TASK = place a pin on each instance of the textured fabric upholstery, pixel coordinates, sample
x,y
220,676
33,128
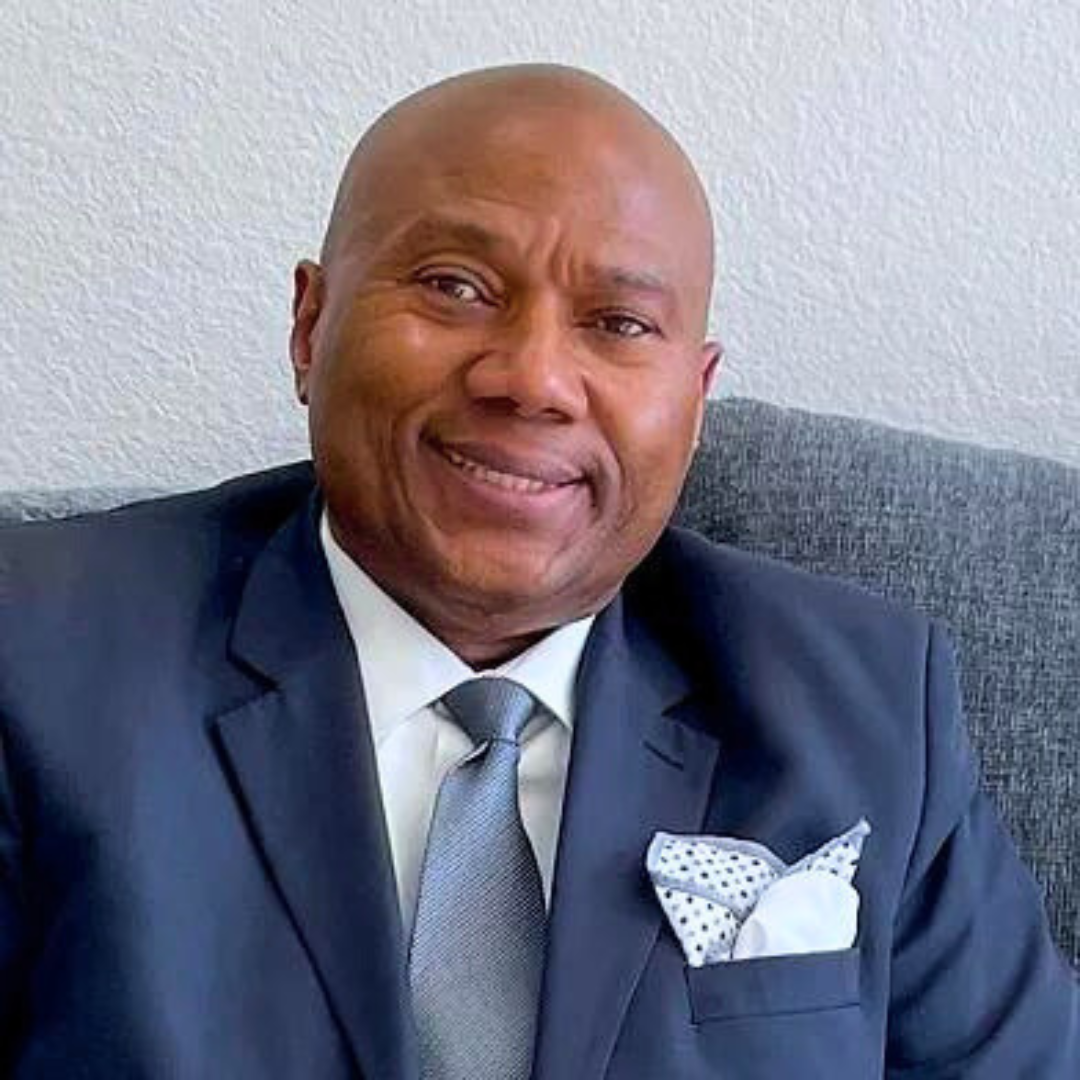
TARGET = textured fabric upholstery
x,y
987,541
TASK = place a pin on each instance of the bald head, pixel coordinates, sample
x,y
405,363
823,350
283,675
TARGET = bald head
x,y
547,116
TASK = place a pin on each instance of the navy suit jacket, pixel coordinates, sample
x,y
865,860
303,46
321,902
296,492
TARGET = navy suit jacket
x,y
194,870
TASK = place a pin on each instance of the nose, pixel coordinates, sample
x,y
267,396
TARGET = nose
x,y
530,365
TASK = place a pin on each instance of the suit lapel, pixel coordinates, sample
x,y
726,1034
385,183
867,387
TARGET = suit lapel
x,y
303,765
634,769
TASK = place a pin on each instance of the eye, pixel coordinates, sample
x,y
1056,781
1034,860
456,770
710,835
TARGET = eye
x,y
453,286
620,324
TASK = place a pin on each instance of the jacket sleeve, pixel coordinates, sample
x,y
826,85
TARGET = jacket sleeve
x,y
13,912
979,989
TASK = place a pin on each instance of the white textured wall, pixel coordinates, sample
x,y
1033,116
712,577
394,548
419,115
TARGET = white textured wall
x,y
897,185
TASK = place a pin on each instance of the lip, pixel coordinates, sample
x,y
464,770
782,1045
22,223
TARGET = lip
x,y
510,462
496,478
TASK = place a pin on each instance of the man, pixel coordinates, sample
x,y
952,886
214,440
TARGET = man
x,y
258,815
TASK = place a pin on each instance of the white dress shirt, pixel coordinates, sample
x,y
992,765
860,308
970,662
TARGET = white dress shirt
x,y
405,671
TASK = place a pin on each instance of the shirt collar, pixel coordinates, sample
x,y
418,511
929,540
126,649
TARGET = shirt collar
x,y
404,667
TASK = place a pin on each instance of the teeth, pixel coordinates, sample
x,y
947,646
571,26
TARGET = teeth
x,y
522,485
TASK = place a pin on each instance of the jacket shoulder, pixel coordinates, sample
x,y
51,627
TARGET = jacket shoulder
x,y
152,544
691,586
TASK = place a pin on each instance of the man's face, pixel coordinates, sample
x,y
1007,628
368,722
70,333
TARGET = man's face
x,y
505,371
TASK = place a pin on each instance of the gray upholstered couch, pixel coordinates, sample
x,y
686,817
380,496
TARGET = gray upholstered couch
x,y
985,540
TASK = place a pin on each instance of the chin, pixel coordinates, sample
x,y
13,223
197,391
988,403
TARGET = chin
x,y
503,584
500,585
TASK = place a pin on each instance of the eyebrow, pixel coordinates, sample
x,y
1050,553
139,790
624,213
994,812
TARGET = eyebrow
x,y
623,279
442,229
432,229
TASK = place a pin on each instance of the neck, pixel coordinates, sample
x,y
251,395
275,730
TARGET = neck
x,y
482,655
480,639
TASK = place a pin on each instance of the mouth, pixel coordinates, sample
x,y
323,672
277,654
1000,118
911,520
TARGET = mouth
x,y
507,472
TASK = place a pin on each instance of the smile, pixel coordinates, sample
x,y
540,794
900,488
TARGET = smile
x,y
520,485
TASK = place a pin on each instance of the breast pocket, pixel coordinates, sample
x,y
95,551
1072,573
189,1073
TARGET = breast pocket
x,y
774,985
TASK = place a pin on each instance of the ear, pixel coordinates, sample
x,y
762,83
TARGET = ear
x,y
307,305
712,352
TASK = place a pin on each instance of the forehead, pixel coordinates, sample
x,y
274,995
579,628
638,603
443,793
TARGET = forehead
x,y
620,192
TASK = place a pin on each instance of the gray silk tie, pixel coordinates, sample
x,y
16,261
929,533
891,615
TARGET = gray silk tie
x,y
477,953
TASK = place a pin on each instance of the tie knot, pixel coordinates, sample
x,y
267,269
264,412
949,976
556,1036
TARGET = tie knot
x,y
488,708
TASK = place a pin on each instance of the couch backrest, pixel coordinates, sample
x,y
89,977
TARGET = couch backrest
x,y
987,541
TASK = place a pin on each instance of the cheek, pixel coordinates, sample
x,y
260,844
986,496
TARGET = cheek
x,y
375,367
652,432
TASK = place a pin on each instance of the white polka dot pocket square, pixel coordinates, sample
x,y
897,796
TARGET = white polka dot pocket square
x,y
729,899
